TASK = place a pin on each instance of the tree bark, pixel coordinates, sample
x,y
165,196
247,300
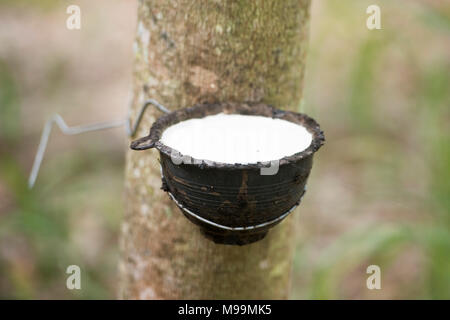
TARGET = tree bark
x,y
187,52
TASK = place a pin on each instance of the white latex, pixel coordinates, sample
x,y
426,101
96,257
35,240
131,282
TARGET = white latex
x,y
237,138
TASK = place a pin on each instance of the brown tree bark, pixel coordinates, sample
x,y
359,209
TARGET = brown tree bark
x,y
206,51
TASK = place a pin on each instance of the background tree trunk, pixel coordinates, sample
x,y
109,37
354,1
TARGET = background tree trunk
x,y
205,51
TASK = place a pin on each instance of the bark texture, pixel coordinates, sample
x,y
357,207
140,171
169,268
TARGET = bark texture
x,y
207,51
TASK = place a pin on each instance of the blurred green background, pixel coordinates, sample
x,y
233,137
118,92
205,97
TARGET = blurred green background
x,y
379,192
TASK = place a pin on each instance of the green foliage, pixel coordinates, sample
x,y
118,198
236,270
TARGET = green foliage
x,y
434,103
382,157
9,106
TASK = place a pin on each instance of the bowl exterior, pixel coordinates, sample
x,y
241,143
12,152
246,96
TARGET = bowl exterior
x,y
235,198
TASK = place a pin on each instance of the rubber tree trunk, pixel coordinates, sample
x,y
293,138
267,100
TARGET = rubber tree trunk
x,y
188,52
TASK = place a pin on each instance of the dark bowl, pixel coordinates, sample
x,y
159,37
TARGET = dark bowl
x,y
233,203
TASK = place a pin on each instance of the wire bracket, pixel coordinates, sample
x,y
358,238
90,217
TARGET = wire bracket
x,y
65,129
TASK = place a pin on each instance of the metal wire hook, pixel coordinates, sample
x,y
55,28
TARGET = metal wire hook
x,y
131,131
65,129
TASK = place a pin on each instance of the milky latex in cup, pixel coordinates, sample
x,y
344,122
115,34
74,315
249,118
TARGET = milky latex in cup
x,y
234,138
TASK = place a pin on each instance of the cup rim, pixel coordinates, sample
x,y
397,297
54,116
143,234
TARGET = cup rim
x,y
202,110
